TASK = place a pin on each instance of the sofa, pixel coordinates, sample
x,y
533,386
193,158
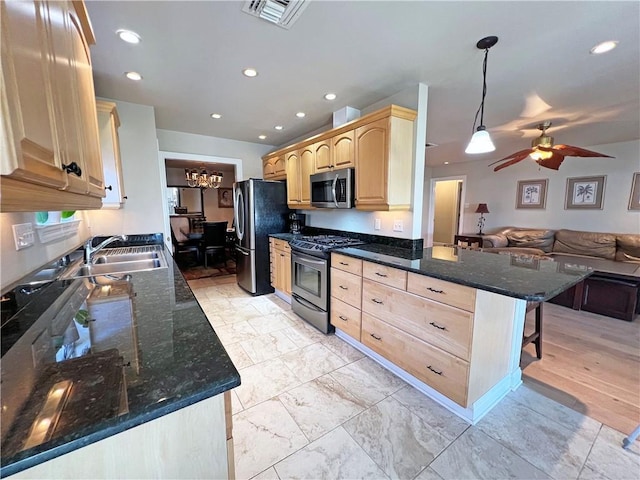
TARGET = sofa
x,y
614,287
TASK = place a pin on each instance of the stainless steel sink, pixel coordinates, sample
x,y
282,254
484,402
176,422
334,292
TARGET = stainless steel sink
x,y
119,261
127,257
115,268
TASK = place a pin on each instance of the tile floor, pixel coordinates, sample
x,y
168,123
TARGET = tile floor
x,y
311,406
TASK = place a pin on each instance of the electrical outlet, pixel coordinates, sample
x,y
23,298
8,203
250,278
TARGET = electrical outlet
x,y
397,226
23,235
376,224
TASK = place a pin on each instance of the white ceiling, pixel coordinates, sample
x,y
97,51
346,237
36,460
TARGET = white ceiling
x,y
192,54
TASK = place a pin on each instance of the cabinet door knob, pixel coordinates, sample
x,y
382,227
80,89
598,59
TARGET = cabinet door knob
x,y
72,168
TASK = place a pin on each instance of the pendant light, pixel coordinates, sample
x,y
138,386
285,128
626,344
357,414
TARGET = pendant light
x,y
481,140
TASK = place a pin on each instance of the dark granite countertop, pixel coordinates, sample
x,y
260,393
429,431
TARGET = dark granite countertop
x,y
175,359
285,236
524,277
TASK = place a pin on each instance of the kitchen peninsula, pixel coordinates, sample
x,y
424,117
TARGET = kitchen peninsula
x,y
447,320
164,418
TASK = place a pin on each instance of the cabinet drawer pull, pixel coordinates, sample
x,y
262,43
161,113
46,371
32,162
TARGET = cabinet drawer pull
x,y
375,300
381,274
434,370
375,336
343,287
344,263
434,290
437,326
72,168
110,188
344,319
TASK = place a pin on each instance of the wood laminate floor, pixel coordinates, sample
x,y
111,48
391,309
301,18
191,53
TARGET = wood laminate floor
x,y
590,363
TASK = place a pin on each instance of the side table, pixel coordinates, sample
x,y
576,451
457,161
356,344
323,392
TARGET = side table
x,y
468,241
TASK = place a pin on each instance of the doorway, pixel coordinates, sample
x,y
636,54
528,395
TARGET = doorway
x,y
446,209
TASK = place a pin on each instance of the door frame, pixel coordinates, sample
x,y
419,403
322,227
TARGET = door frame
x,y
432,204
164,155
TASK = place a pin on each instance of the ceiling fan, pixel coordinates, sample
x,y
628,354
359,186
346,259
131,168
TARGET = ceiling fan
x,y
544,153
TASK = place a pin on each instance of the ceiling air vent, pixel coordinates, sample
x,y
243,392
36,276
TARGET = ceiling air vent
x,y
281,12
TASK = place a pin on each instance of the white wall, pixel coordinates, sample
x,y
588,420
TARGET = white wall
x,y
498,191
250,153
16,264
143,209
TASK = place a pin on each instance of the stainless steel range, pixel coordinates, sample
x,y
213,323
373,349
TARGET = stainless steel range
x,y
310,264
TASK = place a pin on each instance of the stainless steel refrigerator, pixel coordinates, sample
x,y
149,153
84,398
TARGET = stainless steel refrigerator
x,y
260,208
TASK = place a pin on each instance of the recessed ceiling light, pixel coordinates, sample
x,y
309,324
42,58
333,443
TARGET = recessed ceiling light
x,y
250,72
330,96
262,137
133,76
446,163
128,36
604,47
300,114
216,115
279,127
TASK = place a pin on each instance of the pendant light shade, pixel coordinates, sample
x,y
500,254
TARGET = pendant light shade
x,y
481,140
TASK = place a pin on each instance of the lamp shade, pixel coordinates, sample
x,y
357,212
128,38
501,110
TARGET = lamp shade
x,y
482,208
480,142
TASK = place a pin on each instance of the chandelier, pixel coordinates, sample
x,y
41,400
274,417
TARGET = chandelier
x,y
203,179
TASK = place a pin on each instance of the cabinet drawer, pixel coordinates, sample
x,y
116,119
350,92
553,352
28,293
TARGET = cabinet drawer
x,y
348,264
442,291
281,244
440,370
441,325
346,287
386,275
346,318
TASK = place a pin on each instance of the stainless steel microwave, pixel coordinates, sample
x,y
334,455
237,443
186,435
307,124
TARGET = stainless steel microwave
x,y
333,189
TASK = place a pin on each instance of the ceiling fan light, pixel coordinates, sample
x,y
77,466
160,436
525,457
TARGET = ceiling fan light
x,y
540,155
480,142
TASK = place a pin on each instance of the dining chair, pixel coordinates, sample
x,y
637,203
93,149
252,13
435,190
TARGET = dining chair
x,y
215,241
183,242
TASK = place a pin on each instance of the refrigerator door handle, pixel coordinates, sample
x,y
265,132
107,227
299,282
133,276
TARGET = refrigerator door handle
x,y
240,250
239,213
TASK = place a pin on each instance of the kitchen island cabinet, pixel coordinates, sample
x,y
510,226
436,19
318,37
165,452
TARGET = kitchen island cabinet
x,y
175,419
50,155
449,321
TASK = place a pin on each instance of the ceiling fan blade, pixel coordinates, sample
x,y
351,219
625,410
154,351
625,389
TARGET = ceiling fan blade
x,y
552,162
511,162
522,153
571,151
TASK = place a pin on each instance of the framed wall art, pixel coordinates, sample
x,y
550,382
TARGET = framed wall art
x,y
225,198
532,193
634,198
585,193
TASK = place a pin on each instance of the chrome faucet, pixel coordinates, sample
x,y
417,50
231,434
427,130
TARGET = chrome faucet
x,y
90,250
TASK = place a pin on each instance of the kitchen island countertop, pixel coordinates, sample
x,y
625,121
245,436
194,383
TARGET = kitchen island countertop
x,y
525,277
179,361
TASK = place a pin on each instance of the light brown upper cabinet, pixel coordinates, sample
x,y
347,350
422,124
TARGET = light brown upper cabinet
x,y
292,161
307,168
108,123
384,160
274,168
379,146
49,146
343,150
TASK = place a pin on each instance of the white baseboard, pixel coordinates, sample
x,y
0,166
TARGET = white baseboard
x,y
283,296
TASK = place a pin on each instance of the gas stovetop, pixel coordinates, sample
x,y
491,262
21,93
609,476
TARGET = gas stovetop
x,y
321,245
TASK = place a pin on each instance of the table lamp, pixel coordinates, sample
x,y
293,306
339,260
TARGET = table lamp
x,y
482,209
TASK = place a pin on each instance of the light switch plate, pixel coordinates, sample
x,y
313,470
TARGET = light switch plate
x,y
23,235
376,224
397,226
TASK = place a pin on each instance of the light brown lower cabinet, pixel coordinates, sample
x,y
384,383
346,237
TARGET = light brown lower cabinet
x,y
188,443
280,265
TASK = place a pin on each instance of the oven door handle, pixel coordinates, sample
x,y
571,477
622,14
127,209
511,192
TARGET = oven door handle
x,y
333,191
304,260
307,304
